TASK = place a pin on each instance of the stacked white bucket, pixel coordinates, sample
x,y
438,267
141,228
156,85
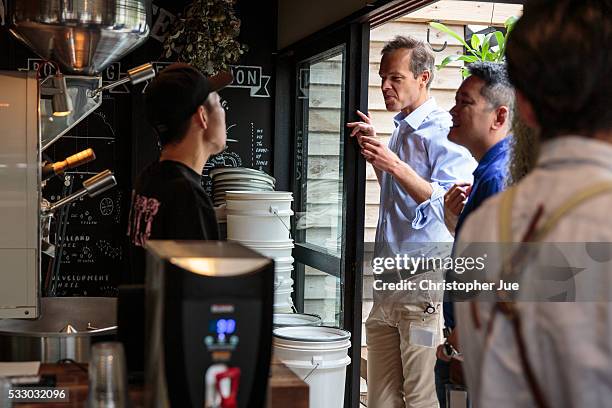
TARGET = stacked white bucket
x,y
319,356
261,220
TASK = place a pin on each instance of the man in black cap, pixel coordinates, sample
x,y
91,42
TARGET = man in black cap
x,y
168,201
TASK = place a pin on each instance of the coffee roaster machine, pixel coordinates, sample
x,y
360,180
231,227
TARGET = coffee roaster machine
x,y
78,40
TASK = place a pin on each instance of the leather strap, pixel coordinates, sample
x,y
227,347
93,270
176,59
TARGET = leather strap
x,y
505,215
576,200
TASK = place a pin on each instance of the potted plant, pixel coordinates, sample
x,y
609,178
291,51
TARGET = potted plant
x,y
480,47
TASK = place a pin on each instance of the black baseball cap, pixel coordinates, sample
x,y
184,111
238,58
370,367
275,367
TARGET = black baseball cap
x,y
176,93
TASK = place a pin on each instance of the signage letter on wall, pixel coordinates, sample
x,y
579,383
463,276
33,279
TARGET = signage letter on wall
x,y
250,77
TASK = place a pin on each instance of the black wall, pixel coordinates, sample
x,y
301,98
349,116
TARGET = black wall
x,y
95,255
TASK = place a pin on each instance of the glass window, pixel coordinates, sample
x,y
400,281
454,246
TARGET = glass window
x,y
319,151
322,296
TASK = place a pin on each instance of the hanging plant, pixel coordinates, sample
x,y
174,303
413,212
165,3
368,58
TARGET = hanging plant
x,y
205,36
479,48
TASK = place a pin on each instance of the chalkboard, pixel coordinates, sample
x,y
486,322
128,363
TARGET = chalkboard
x,y
248,101
94,256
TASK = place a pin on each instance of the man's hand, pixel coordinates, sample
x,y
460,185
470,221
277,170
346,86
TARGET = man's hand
x,y
375,152
453,342
379,155
441,355
383,159
363,128
454,199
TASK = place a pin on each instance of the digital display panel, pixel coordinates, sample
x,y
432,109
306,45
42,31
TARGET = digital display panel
x,y
222,326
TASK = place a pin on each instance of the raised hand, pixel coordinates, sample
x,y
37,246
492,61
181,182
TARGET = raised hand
x,y
455,198
362,128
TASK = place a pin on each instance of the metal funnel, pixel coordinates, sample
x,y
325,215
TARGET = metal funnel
x,y
83,36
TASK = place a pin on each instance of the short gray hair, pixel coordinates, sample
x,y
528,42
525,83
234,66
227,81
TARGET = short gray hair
x,y
421,59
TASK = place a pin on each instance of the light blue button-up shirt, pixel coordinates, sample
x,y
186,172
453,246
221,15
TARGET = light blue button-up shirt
x,y
420,140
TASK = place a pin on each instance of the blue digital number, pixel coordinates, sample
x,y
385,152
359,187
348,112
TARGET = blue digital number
x,y
223,326
231,326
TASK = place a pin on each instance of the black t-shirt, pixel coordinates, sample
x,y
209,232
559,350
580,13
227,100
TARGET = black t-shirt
x,y
168,202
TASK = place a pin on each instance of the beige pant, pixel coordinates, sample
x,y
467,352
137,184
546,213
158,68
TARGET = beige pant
x,y
400,375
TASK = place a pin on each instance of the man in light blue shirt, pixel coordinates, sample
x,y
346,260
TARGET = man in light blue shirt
x,y
420,142
415,170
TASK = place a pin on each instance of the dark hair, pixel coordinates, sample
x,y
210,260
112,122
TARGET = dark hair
x,y
497,89
176,132
421,59
560,57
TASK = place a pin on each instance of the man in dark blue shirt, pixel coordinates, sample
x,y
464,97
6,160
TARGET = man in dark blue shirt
x,y
482,118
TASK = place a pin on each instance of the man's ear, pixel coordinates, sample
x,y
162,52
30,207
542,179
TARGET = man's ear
x,y
502,115
425,76
201,117
526,111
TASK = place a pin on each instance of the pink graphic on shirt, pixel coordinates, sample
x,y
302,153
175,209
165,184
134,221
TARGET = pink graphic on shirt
x,y
144,210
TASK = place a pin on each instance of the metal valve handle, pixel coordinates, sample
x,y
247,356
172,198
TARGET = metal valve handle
x,y
93,186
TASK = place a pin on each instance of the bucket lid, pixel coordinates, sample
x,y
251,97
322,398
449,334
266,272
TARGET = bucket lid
x,y
283,268
284,259
286,243
244,170
259,195
295,319
311,333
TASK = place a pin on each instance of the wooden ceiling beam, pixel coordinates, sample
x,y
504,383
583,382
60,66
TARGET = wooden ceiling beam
x,y
465,12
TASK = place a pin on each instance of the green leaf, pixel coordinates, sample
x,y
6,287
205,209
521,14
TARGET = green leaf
x,y
468,58
456,57
486,44
491,57
499,56
510,22
445,29
501,40
448,60
476,41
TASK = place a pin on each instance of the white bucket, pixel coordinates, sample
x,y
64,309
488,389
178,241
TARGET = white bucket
x,y
250,202
283,302
283,269
319,356
249,227
271,249
284,308
283,279
295,319
282,283
269,212
283,261
260,195
283,295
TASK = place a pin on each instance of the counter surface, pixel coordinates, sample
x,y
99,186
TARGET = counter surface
x,y
285,389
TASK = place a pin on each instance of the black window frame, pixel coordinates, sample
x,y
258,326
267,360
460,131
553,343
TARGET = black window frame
x,y
355,37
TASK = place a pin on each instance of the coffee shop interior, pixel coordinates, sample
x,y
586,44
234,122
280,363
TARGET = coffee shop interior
x,y
273,312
